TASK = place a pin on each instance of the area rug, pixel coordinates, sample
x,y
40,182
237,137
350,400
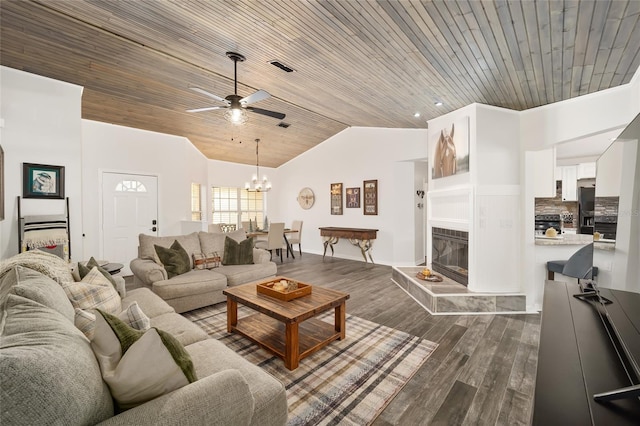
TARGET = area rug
x,y
349,382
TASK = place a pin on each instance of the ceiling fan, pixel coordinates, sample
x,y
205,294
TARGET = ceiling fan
x,y
235,105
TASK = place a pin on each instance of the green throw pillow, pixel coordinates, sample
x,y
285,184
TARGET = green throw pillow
x,y
84,270
236,253
175,259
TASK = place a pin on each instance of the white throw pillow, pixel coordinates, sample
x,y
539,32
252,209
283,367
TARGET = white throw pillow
x,y
139,366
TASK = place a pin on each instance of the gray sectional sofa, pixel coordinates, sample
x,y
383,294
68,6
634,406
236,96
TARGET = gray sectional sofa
x,y
49,373
197,288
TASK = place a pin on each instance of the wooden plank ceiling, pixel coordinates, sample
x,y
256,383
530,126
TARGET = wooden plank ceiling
x,y
357,62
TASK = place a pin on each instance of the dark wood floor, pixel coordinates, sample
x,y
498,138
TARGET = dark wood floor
x,y
483,371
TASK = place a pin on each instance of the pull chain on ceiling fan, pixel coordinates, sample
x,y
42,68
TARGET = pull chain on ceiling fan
x,y
236,106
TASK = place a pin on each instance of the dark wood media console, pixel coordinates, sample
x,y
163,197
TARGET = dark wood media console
x,y
577,360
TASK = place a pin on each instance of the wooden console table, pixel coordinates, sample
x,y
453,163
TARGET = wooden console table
x,y
359,237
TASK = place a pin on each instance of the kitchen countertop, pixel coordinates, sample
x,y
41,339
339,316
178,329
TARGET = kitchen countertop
x,y
574,239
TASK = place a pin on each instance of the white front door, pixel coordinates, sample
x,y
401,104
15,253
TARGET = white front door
x,y
129,208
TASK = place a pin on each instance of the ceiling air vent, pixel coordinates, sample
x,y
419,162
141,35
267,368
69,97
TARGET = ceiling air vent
x,y
283,124
282,66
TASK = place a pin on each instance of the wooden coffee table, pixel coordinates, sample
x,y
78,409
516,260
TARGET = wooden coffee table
x,y
287,329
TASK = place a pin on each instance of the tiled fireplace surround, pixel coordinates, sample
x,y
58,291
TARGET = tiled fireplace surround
x,y
451,296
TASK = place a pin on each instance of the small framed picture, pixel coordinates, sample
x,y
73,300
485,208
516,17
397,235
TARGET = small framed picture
x,y
353,198
336,198
42,181
370,197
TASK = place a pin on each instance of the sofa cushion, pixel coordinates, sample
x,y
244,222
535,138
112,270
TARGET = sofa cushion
x,y
268,393
150,303
212,242
49,373
139,366
174,259
238,253
93,292
42,289
189,242
179,327
193,282
242,274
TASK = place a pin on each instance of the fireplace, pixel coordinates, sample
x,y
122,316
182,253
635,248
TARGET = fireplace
x,y
451,254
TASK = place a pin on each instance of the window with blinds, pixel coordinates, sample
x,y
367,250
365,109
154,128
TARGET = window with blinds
x,y
235,205
196,202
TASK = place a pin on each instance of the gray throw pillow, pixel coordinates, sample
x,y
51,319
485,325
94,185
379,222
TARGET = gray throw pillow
x,y
236,253
175,259
84,270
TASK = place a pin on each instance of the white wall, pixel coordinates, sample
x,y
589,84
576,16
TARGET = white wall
x,y
351,156
112,148
485,201
551,125
41,125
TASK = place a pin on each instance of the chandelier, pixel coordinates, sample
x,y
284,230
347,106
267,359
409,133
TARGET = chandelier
x,y
257,184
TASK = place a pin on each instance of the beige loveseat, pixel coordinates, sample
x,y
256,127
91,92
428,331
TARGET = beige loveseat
x,y
49,373
197,288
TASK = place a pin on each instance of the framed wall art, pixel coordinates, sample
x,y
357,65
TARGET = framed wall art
x,y
336,198
353,197
370,197
42,181
450,148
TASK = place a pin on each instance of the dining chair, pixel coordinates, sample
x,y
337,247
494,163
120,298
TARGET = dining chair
x,y
296,237
214,227
245,225
275,240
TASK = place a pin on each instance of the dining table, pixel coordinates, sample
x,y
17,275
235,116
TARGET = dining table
x,y
265,232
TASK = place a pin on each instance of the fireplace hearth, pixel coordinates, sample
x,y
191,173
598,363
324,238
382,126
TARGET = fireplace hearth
x,y
450,252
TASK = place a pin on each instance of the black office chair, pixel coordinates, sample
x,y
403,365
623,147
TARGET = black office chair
x,y
579,265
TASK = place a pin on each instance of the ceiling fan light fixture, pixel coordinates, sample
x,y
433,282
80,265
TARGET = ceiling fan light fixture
x,y
236,116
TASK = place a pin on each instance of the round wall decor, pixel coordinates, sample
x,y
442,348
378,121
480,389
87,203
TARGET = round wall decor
x,y
306,198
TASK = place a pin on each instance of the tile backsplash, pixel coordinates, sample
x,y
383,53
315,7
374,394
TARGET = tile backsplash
x,y
555,205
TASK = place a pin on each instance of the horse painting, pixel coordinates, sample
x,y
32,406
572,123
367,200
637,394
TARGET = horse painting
x,y
444,161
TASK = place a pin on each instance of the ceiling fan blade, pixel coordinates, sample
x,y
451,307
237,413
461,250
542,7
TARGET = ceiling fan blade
x,y
278,115
206,109
255,97
211,95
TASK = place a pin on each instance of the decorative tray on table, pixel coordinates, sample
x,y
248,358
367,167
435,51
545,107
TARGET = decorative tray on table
x,y
430,276
283,289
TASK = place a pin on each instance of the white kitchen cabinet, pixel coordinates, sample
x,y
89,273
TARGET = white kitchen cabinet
x,y
587,170
569,183
544,183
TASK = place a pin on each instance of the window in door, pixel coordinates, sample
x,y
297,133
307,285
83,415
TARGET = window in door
x,y
196,204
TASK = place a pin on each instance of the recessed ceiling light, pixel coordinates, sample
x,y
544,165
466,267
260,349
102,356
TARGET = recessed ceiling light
x,y
416,115
438,103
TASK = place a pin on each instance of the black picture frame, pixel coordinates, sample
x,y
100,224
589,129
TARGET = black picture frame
x,y
42,181
336,198
370,189
353,197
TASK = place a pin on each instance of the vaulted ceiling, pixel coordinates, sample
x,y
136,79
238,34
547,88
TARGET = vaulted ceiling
x,y
357,62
